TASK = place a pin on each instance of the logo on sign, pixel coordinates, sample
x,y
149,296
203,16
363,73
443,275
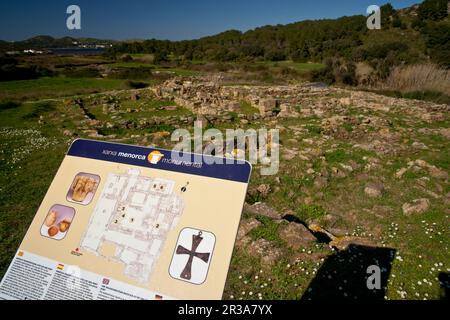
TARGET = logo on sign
x,y
154,157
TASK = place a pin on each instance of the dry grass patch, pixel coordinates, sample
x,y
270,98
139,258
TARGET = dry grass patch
x,y
422,77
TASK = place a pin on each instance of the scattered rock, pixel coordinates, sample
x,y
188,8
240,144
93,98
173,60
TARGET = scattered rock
x,y
374,189
266,250
308,200
337,173
234,106
419,145
288,154
381,211
260,208
266,106
416,206
437,173
345,101
159,136
445,132
423,182
434,171
264,190
296,235
347,167
320,182
330,220
401,172
316,152
246,226
168,108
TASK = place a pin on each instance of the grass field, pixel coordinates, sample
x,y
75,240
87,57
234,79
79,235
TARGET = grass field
x,y
300,67
56,87
155,68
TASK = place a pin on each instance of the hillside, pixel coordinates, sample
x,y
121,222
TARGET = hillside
x,y
416,34
48,42
419,33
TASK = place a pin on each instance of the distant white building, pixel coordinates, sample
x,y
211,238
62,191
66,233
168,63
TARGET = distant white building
x,y
32,51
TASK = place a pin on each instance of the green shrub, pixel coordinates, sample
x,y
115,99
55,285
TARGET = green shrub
x,y
337,156
433,10
104,131
314,129
140,73
267,230
161,127
9,105
126,58
308,211
137,84
11,72
337,70
81,73
40,109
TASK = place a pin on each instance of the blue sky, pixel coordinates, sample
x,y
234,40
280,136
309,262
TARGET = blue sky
x,y
167,19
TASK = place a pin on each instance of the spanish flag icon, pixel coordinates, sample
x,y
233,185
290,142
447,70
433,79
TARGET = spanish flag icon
x,y
60,266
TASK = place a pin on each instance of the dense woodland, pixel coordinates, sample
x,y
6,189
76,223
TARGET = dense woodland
x,y
407,36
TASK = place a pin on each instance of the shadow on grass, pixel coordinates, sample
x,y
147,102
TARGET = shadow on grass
x,y
444,281
344,275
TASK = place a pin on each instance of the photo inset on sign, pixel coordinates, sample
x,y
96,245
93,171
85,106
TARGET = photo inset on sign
x,y
83,188
57,222
192,255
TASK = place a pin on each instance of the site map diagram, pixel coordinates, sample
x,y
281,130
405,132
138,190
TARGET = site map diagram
x,y
135,213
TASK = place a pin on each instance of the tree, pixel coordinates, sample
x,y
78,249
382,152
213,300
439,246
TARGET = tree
x,y
160,56
437,34
387,12
275,55
397,22
433,10
301,54
126,58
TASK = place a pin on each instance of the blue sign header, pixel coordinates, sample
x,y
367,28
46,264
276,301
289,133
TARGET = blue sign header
x,y
201,165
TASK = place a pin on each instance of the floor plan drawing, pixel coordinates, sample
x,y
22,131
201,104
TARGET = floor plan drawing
x,y
134,213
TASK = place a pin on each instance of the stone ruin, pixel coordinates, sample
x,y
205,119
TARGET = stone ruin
x,y
214,104
210,98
